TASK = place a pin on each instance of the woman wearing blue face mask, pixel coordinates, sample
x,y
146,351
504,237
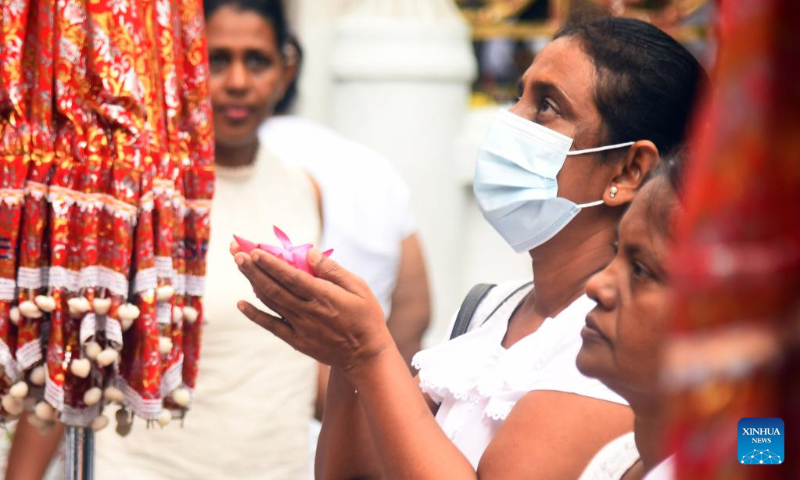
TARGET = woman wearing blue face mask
x,y
597,108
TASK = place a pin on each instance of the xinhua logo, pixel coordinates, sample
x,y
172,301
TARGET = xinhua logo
x,y
761,441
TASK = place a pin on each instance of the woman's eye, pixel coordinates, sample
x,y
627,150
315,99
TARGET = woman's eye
x,y
258,63
640,271
615,247
217,63
546,110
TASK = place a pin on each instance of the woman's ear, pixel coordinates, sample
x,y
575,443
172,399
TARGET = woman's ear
x,y
641,158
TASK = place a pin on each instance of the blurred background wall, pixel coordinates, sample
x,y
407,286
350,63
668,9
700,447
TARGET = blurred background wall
x,y
420,80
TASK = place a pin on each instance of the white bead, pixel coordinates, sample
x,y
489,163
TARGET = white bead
x,y
181,396
92,350
92,396
102,305
14,315
78,306
100,423
164,345
38,375
165,292
44,411
177,314
12,405
114,394
164,417
45,303
19,390
80,367
190,314
29,309
128,311
126,324
107,357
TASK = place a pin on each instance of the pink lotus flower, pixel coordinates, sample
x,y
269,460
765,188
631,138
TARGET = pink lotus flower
x,y
293,255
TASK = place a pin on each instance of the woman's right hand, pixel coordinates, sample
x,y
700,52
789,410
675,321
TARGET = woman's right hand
x,y
333,317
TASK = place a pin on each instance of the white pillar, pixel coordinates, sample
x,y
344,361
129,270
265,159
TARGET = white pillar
x,y
402,72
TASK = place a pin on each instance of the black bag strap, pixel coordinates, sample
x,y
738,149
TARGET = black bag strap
x,y
468,307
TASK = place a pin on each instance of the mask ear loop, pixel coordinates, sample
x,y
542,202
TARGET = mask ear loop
x,y
591,204
600,149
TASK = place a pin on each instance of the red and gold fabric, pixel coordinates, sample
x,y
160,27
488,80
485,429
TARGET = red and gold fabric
x,y
734,352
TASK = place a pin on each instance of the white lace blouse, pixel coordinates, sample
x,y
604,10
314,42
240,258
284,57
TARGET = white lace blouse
x,y
477,381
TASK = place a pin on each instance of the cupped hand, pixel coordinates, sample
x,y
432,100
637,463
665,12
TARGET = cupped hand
x,y
333,318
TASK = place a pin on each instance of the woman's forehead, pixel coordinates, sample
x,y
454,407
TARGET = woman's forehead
x,y
649,218
564,64
230,25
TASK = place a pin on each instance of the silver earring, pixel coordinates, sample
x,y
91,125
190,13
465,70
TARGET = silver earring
x,y
613,192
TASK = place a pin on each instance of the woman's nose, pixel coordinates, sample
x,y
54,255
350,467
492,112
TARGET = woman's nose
x,y
237,78
600,288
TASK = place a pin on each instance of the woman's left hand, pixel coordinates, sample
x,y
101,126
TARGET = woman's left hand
x,y
333,318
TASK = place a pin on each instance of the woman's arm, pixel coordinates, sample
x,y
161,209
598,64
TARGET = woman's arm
x,y
31,452
346,448
336,319
411,306
553,435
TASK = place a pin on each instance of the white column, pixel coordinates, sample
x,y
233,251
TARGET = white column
x,y
402,72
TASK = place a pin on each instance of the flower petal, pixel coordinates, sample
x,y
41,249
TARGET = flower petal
x,y
299,257
277,251
327,253
244,245
287,244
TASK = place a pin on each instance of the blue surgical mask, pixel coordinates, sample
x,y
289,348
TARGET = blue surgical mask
x,y
515,180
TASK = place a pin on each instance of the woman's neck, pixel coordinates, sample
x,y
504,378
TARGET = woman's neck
x,y
562,266
235,156
648,428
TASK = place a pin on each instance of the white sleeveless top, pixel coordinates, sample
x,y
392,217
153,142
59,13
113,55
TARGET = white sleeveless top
x,y
618,456
254,396
477,381
613,460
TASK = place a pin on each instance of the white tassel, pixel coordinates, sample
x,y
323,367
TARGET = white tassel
x,y
102,306
92,350
190,314
29,309
12,405
14,315
80,367
100,423
165,292
44,411
45,303
164,417
38,375
164,345
107,357
19,390
92,396
78,306
114,394
181,396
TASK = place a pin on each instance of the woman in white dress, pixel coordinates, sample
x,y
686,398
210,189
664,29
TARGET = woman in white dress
x,y
624,333
597,108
